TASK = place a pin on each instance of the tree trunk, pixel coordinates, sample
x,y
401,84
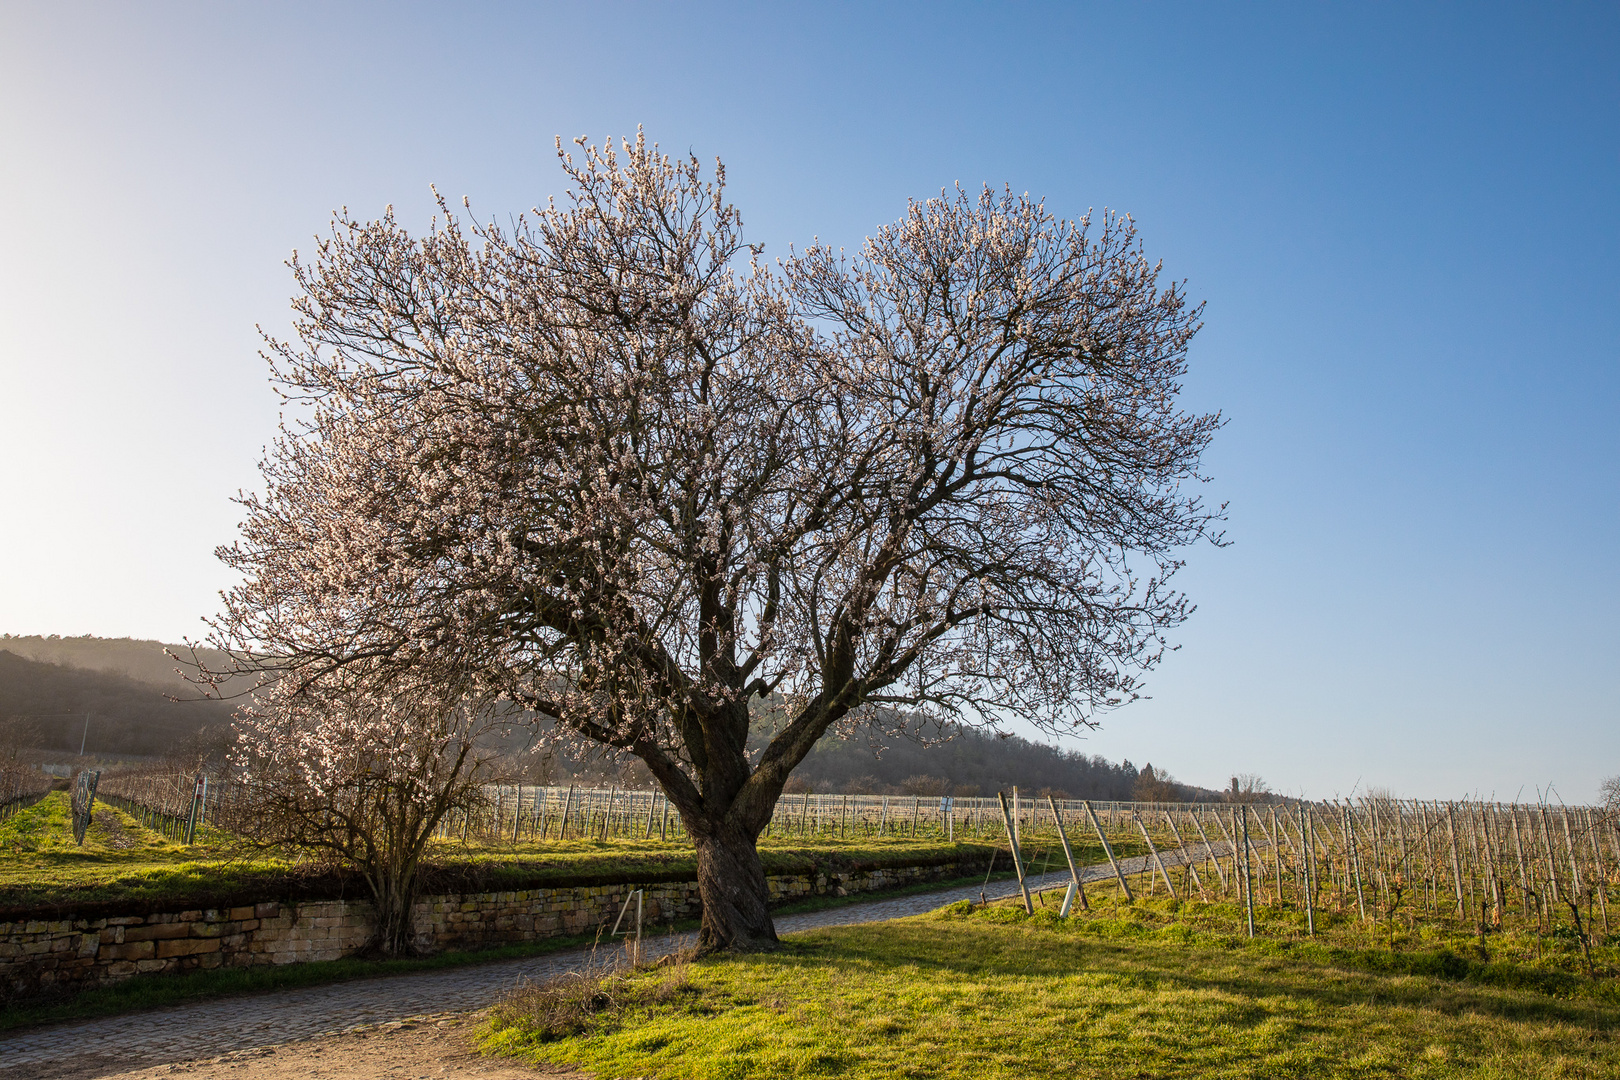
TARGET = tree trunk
x,y
395,934
731,884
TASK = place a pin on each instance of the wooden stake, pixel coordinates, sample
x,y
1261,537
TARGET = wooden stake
x,y
1524,869
1018,858
1599,878
1208,849
1307,836
1569,846
1119,874
568,803
1175,832
1248,885
1355,859
1456,862
1276,854
1153,851
1428,849
1080,889
1552,867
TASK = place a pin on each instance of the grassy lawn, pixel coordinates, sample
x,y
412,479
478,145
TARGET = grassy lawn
x,y
122,861
1149,990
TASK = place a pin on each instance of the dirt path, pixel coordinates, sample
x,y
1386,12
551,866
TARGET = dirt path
x,y
250,1037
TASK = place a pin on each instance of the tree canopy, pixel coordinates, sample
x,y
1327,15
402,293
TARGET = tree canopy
x,y
610,464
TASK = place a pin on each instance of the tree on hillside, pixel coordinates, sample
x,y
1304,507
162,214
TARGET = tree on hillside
x,y
1157,786
609,465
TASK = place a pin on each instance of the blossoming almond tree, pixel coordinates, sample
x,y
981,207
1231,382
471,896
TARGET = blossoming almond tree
x,y
363,780
608,464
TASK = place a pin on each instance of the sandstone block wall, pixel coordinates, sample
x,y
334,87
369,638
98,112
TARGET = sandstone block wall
x,y
69,953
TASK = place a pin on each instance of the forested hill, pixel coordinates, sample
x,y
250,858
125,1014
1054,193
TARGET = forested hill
x,y
52,682
43,706
981,763
138,659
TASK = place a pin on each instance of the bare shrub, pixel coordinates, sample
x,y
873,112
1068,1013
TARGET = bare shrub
x,y
925,785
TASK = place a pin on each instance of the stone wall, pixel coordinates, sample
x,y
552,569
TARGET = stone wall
x,y
71,953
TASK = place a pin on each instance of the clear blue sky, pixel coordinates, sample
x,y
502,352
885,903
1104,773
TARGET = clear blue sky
x,y
1405,221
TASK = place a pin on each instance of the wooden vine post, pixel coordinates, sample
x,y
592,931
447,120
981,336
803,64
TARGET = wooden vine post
x,y
1154,853
1017,856
1068,854
1119,874
1192,871
1209,850
1307,834
1248,884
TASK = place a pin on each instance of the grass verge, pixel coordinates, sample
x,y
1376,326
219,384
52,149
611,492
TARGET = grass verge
x,y
157,991
983,993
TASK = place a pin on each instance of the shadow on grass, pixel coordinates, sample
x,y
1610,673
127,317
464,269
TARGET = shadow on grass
x,y
1438,982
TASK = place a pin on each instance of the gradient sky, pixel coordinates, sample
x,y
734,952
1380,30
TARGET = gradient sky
x,y
1405,221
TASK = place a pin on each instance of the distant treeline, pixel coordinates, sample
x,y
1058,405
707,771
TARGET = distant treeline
x,y
981,763
969,763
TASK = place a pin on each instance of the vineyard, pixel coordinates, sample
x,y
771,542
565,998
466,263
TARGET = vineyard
x,y
21,786
1491,863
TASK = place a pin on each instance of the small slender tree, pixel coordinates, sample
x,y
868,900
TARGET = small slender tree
x,y
362,780
1248,788
609,465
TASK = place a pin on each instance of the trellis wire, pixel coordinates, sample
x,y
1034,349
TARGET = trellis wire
x,y
176,803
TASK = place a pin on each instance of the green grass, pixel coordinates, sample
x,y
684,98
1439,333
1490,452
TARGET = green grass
x,y
119,860
41,866
1155,989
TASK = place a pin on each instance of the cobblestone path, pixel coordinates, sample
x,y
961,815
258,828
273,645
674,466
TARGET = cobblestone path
x,y
210,1028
